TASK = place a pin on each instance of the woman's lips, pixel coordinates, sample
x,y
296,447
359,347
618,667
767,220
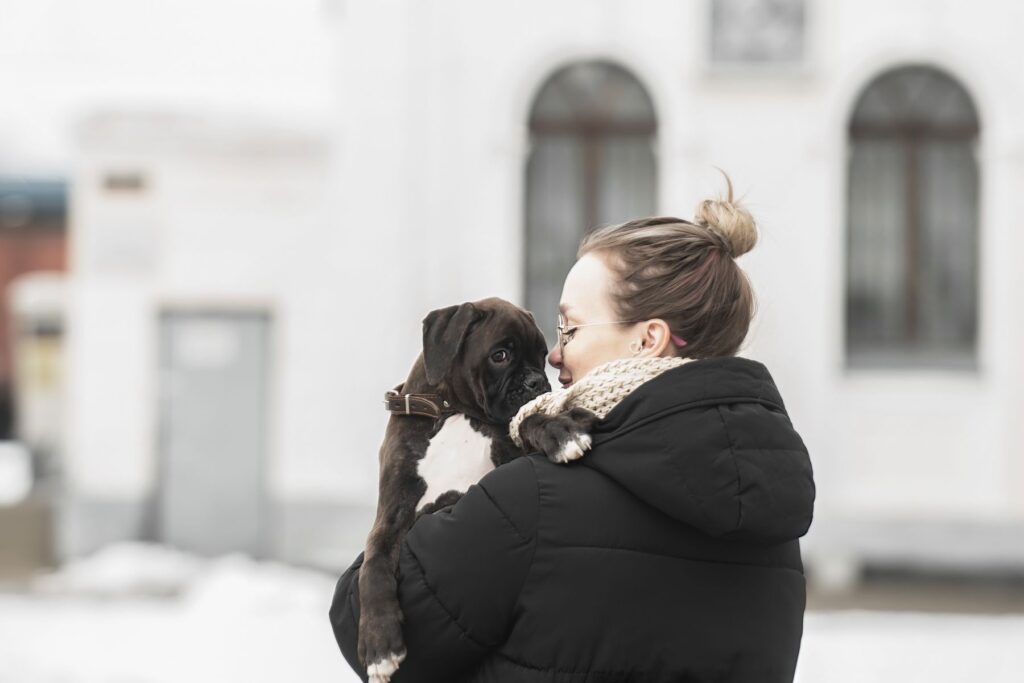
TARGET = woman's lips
x,y
566,383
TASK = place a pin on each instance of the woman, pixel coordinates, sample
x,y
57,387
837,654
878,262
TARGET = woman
x,y
669,551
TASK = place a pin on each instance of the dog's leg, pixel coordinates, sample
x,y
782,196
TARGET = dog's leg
x,y
563,437
380,646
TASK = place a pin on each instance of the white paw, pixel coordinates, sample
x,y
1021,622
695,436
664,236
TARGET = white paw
x,y
384,668
573,449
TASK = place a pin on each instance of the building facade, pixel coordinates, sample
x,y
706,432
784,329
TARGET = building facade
x,y
450,151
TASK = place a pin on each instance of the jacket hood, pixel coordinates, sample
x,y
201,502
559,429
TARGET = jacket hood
x,y
710,444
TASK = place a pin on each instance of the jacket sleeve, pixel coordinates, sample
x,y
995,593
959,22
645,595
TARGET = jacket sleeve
x,y
459,577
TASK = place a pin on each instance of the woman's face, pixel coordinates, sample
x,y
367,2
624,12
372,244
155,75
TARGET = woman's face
x,y
586,299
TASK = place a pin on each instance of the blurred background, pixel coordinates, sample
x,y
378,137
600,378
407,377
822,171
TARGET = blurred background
x,y
222,222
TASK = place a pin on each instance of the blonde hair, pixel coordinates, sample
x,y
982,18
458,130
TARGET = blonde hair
x,y
684,273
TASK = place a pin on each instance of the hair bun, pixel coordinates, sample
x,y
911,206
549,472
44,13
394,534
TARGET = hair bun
x,y
730,219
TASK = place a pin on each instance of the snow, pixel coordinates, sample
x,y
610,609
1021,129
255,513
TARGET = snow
x,y
860,646
124,569
135,613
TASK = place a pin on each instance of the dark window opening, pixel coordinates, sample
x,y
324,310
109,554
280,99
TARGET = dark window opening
x,y
912,223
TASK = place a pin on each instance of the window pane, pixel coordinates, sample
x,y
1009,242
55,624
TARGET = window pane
x,y
915,97
875,302
554,223
757,31
627,182
949,205
592,93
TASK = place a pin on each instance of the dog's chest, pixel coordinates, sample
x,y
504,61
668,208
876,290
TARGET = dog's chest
x,y
458,457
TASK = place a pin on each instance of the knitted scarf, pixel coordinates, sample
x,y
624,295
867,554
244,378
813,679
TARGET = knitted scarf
x,y
598,391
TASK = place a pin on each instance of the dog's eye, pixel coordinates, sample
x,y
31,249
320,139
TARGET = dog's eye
x,y
500,356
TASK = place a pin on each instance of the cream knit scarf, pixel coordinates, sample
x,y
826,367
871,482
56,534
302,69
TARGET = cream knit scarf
x,y
599,391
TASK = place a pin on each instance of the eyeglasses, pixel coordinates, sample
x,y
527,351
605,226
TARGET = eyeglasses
x,y
566,333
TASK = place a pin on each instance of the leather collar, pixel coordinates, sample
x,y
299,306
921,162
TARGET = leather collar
x,y
425,405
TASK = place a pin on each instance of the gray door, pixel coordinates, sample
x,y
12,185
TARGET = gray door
x,y
213,435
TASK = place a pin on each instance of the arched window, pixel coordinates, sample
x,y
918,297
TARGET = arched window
x,y
591,163
912,223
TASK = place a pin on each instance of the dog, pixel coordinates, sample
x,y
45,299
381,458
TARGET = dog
x,y
481,362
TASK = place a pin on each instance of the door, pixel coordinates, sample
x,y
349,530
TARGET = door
x,y
213,431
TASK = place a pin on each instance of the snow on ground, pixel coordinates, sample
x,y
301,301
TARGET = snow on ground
x,y
145,614
134,613
124,569
869,647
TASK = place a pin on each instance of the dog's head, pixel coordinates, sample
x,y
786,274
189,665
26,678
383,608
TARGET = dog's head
x,y
488,355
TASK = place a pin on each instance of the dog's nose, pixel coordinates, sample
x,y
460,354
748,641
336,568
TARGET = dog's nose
x,y
537,383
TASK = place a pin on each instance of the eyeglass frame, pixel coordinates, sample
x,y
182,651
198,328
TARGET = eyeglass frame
x,y
562,328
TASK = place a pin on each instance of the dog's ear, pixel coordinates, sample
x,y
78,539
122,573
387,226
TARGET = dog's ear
x,y
444,330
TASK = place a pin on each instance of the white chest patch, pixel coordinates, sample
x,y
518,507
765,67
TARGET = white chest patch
x,y
458,457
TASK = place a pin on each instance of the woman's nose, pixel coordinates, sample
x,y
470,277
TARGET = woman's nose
x,y
555,357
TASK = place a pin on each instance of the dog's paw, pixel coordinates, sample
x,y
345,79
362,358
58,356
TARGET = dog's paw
x,y
573,448
384,668
380,646
563,438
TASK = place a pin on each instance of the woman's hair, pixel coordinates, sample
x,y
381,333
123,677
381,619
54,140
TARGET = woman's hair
x,y
684,273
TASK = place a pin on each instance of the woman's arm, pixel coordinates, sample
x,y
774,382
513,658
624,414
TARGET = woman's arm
x,y
460,573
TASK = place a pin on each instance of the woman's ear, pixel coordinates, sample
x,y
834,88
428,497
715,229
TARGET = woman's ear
x,y
656,338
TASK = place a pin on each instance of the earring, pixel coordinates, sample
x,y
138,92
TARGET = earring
x,y
636,346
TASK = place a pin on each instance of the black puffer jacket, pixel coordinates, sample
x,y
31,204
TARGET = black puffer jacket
x,y
668,553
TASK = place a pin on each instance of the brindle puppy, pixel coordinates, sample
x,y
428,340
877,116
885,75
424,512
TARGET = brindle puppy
x,y
481,362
